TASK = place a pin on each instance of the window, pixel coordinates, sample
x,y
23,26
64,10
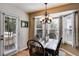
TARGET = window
x,y
54,28
38,27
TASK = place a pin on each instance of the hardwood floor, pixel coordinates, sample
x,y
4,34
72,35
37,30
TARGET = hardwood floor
x,y
23,53
26,53
67,49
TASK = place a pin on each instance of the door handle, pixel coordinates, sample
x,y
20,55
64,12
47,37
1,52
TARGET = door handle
x,y
1,37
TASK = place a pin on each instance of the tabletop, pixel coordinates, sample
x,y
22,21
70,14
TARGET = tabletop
x,y
51,44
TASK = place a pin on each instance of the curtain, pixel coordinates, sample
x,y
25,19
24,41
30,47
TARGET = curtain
x,y
76,29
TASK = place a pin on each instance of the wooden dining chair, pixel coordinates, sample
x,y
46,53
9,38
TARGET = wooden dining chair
x,y
52,36
56,52
36,48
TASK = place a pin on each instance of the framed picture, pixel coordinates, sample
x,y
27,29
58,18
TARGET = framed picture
x,y
24,23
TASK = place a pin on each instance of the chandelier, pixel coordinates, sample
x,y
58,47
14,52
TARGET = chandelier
x,y
46,18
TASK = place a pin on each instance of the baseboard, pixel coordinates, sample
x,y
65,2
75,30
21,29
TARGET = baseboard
x,y
11,54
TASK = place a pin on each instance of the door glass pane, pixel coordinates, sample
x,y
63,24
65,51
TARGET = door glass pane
x,y
9,34
67,29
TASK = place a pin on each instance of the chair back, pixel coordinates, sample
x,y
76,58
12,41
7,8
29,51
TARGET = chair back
x,y
35,48
59,43
52,36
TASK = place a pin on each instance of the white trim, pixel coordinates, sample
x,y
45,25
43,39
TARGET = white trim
x,y
68,42
7,52
9,14
16,40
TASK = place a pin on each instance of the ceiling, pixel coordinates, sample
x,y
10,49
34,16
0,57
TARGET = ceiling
x,y
32,7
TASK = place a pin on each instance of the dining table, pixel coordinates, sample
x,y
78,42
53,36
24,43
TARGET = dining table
x,y
50,44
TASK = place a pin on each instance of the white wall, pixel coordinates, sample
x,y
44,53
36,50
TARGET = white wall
x,y
23,32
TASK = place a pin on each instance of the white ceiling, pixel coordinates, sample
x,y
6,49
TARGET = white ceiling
x,y
32,7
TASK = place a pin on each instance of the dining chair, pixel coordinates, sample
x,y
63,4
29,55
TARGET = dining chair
x,y
36,48
37,37
52,36
56,52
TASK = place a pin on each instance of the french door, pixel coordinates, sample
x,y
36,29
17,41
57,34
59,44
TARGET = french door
x,y
9,31
69,29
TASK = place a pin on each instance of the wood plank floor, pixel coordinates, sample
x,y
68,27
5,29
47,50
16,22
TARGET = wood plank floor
x,y
23,53
67,49
26,53
70,50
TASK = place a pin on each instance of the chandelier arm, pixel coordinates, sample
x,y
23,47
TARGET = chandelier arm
x,y
46,19
45,9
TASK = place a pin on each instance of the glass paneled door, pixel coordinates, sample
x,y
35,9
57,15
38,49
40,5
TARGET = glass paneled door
x,y
10,34
68,29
